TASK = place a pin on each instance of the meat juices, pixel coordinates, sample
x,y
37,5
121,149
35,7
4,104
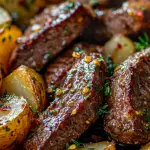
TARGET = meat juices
x,y
74,108
49,33
128,118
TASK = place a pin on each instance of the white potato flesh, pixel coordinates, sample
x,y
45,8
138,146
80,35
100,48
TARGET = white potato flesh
x,y
15,121
119,47
99,146
4,17
26,82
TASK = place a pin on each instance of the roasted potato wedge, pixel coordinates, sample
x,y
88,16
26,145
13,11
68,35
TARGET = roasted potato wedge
x,y
22,10
99,146
8,37
27,83
146,147
4,17
15,121
119,47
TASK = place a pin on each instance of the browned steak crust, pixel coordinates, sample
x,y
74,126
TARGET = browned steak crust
x,y
50,33
57,70
128,118
131,18
72,112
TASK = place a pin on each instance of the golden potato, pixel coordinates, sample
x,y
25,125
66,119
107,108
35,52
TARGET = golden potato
x,y
146,147
4,17
15,121
22,10
119,47
99,146
8,38
27,83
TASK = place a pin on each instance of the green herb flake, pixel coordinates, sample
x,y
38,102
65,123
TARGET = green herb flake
x,y
48,56
7,129
143,42
9,37
67,146
86,97
3,39
90,148
103,110
107,90
1,105
110,66
69,6
101,58
78,144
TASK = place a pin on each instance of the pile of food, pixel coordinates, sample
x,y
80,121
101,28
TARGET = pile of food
x,y
74,75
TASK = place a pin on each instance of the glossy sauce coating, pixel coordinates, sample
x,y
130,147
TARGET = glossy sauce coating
x,y
66,118
128,118
53,30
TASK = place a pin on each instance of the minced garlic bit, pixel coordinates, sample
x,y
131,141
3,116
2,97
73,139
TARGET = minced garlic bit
x,y
138,112
96,62
86,90
145,102
80,19
87,59
74,112
87,122
76,55
36,27
59,92
72,147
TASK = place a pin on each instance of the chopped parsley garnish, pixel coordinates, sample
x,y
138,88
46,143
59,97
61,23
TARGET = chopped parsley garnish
x,y
94,3
143,42
101,58
78,144
7,129
1,105
86,97
103,110
67,146
78,50
147,128
48,56
90,148
107,91
110,66
3,39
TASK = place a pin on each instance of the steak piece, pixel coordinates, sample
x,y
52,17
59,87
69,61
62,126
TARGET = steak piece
x,y
49,33
73,110
128,118
131,18
57,70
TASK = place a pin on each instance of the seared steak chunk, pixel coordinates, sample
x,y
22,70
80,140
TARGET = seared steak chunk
x,y
49,33
128,118
131,18
57,70
74,108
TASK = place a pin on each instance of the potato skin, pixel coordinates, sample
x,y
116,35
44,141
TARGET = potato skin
x,y
22,10
119,47
105,145
146,147
27,83
16,129
8,39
